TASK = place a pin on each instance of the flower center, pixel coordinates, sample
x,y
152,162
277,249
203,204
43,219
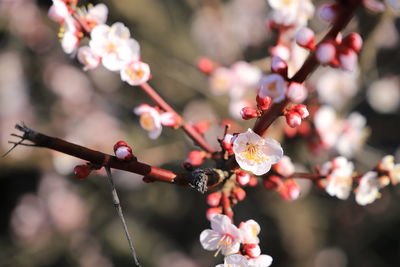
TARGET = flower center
x,y
272,87
252,152
111,48
147,122
134,74
224,242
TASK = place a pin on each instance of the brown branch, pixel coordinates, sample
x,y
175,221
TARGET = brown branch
x,y
189,130
99,158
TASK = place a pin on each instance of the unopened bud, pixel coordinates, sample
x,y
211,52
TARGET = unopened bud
x,y
170,119
272,182
248,113
290,190
302,110
305,38
263,103
326,53
239,193
328,12
242,178
195,157
296,92
293,119
227,143
122,151
252,250
253,181
348,60
280,51
353,41
279,66
82,171
205,65
214,199
211,212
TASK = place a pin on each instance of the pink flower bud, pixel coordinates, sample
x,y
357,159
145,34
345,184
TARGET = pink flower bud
x,y
252,250
326,53
279,66
328,12
353,41
305,38
239,193
302,110
290,190
242,178
248,113
202,126
170,119
293,119
214,199
118,144
296,92
280,51
263,103
124,153
272,182
205,65
82,171
227,143
253,181
213,211
348,60
195,157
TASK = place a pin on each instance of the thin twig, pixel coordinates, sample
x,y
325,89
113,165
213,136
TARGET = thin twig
x,y
117,206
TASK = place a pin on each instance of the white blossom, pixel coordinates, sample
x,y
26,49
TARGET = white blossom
x,y
273,86
223,236
261,261
88,58
256,154
368,189
339,180
150,120
235,260
135,73
291,12
114,45
250,230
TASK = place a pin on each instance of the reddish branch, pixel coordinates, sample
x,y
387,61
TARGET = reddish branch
x,y
98,158
189,130
347,11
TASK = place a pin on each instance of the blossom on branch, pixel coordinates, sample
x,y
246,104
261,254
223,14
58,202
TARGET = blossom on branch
x,y
223,236
256,154
135,73
151,120
339,173
368,188
114,45
274,86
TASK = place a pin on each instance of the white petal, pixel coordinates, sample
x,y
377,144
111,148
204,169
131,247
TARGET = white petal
x,y
98,13
100,33
119,31
111,62
155,133
220,223
210,239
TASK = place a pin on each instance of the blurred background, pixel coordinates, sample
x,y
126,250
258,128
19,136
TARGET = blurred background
x,y
49,218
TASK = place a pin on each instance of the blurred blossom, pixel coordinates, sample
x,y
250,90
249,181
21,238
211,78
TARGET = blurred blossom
x,y
22,14
66,209
29,219
224,31
386,34
71,85
236,106
332,257
335,87
15,104
176,259
384,95
291,12
86,130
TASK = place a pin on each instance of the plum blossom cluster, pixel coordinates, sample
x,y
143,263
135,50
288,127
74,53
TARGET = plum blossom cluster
x,y
239,245
339,178
112,46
